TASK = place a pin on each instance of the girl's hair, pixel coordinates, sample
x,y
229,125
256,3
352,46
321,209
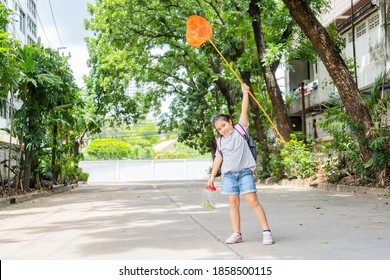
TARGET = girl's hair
x,y
221,116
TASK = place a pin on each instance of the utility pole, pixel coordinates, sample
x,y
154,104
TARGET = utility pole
x,y
386,55
303,110
353,43
61,48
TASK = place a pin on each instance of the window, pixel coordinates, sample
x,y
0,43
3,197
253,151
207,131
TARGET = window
x,y
3,110
361,30
32,27
373,21
32,7
30,41
350,37
22,19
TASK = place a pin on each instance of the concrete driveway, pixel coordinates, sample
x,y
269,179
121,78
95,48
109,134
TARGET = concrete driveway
x,y
164,221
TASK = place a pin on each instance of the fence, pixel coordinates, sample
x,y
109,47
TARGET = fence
x,y
146,170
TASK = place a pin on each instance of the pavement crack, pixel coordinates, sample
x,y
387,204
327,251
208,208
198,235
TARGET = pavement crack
x,y
201,225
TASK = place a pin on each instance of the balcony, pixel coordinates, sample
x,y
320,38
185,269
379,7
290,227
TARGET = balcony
x,y
316,100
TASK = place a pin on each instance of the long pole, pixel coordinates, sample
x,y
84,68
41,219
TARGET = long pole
x,y
384,13
261,107
354,43
303,110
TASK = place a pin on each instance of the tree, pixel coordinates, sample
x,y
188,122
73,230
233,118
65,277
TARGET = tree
x,y
149,47
66,119
8,62
50,114
9,73
36,97
273,89
46,85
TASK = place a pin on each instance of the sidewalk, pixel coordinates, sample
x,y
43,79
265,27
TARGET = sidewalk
x,y
34,195
163,220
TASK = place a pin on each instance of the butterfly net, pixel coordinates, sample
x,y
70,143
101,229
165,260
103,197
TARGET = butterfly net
x,y
198,31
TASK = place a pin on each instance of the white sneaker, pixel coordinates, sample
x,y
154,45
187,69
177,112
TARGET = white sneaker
x,y
234,238
267,238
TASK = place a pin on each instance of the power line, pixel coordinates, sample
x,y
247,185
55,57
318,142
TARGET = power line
x,y
44,32
55,24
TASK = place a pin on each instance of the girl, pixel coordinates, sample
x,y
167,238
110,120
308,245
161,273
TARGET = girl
x,y
237,169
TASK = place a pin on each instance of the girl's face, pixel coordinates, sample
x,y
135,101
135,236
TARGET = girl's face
x,y
223,127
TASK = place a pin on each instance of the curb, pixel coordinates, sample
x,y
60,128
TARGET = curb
x,y
331,187
31,196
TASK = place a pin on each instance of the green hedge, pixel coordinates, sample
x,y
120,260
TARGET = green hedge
x,y
108,148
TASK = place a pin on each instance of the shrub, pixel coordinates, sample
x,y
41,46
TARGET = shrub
x,y
83,176
276,166
107,148
297,160
294,160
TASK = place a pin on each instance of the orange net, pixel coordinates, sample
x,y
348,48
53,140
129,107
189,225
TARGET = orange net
x,y
198,31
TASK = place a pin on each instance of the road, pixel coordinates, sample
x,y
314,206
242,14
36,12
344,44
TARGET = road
x,y
164,221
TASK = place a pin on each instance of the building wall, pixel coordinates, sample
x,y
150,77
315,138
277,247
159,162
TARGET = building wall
x,y
25,27
371,48
340,10
371,43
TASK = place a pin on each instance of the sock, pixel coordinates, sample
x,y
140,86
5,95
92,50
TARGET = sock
x,y
267,230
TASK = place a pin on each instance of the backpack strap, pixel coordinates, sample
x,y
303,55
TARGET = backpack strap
x,y
219,145
241,130
248,139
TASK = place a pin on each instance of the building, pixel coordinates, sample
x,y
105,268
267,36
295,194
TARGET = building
x,y
367,40
23,28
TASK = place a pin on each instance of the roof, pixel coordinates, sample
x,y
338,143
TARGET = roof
x,y
164,146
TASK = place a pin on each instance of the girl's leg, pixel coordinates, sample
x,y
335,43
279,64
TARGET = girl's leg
x,y
253,202
234,211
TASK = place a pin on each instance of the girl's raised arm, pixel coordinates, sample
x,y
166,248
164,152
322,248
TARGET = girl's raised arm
x,y
245,104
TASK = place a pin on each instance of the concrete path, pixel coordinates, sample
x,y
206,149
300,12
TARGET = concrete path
x,y
165,221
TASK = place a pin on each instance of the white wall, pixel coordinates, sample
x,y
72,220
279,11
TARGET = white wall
x,y
370,49
146,170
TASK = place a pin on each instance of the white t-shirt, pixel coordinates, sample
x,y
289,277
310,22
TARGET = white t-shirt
x,y
235,152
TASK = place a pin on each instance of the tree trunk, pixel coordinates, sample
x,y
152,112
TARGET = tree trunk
x,y
260,134
54,152
334,63
11,117
227,94
18,174
279,107
27,170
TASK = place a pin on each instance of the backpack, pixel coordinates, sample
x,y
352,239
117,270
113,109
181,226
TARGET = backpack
x,y
249,140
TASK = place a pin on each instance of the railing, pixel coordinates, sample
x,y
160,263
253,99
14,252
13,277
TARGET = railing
x,y
313,99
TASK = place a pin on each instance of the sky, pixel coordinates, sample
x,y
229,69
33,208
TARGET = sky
x,y
69,16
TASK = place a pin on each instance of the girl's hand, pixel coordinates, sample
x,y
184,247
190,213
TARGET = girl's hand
x,y
210,182
244,88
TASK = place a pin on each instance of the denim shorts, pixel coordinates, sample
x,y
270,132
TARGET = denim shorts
x,y
240,182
